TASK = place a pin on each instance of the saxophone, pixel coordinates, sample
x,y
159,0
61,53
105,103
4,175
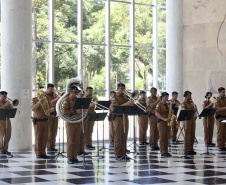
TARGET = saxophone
x,y
171,116
77,118
44,104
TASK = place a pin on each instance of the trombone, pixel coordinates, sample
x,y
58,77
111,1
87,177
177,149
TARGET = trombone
x,y
13,102
95,101
58,93
134,96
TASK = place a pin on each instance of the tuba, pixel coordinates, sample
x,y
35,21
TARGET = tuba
x,y
45,104
171,116
77,118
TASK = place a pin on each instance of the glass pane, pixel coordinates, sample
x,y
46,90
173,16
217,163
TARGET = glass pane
x,y
120,67
40,61
143,25
94,21
65,20
144,1
0,44
94,67
119,23
162,2
143,69
162,27
162,69
40,19
65,59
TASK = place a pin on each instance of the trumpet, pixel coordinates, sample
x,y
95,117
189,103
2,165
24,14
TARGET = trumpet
x,y
134,96
13,102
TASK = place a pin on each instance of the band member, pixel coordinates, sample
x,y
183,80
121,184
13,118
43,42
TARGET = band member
x,y
4,104
152,101
174,128
143,121
220,105
53,120
162,112
81,150
120,99
190,125
73,131
41,125
208,129
112,94
89,124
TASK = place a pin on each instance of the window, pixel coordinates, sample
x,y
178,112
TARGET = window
x,y
60,42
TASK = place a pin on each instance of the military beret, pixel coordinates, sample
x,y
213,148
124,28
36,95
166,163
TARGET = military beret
x,y
74,88
165,94
3,92
141,92
40,87
50,85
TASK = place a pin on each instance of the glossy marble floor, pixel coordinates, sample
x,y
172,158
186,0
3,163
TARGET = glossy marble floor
x,y
147,168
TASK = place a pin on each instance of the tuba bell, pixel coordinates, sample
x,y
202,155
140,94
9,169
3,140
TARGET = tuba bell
x,y
77,118
44,104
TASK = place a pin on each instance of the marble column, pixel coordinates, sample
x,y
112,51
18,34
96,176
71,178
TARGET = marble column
x,y
16,78
174,46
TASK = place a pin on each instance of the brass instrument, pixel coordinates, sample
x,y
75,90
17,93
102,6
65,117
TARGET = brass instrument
x,y
95,101
196,113
171,116
58,93
44,104
134,96
13,102
212,100
77,118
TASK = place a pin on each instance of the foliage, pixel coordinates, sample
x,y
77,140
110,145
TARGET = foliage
x,y
65,29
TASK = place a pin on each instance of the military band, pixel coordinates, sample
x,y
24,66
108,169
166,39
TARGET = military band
x,y
53,120
143,121
189,125
174,127
112,94
89,124
157,114
220,105
208,129
162,113
73,131
4,142
152,101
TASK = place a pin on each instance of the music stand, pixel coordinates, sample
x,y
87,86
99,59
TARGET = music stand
x,y
206,113
60,153
185,115
5,114
97,117
123,110
82,103
103,105
134,111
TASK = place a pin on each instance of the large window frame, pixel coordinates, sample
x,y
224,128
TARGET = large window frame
x,y
108,45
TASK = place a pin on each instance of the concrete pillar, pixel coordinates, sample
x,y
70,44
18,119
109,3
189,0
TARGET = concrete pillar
x,y
16,78
174,46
